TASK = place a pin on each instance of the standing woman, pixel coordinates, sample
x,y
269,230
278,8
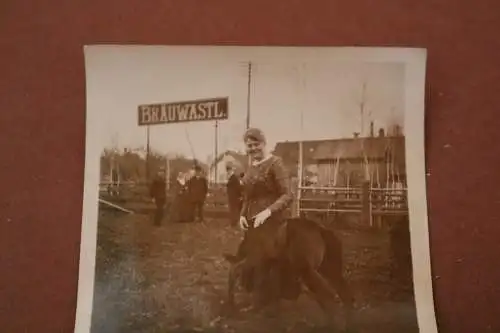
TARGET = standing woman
x,y
179,206
266,195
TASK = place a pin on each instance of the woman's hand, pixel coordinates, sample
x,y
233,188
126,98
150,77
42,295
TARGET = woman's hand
x,y
243,223
261,217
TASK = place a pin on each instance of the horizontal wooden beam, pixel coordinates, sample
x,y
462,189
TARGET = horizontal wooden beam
x,y
107,203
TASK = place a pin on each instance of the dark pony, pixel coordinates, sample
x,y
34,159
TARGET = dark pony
x,y
309,253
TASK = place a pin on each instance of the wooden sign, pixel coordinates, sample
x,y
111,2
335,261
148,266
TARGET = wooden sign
x,y
187,111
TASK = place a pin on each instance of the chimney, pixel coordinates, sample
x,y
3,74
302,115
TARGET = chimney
x,y
356,135
372,130
381,133
397,130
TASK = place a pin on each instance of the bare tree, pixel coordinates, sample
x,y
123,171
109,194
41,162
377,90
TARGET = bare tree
x,y
132,163
362,115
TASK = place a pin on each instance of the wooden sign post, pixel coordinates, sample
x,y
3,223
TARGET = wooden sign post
x,y
211,109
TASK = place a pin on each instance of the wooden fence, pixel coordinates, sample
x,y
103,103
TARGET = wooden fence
x,y
372,204
134,196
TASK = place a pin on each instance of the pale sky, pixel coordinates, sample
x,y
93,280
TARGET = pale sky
x,y
284,82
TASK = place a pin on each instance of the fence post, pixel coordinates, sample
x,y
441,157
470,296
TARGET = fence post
x,y
295,205
366,209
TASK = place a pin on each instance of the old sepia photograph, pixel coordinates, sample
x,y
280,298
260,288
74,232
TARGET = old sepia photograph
x,y
254,189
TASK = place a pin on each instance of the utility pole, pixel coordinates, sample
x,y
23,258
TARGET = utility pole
x,y
300,163
249,87
248,94
216,150
147,153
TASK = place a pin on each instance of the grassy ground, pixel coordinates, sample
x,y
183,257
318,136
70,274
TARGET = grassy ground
x,y
173,279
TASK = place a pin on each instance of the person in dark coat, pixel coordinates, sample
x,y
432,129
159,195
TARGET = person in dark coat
x,y
198,189
181,207
157,191
234,196
400,249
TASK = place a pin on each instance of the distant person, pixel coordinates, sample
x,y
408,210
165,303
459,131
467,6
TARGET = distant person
x,y
181,208
198,190
158,194
181,179
233,195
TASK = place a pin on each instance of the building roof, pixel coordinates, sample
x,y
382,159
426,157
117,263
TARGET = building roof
x,y
379,148
374,147
289,150
347,148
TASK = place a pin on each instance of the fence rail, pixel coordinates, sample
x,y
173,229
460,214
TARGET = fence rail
x,y
373,204
134,196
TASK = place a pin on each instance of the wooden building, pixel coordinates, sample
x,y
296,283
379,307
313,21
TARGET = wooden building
x,y
348,162
289,152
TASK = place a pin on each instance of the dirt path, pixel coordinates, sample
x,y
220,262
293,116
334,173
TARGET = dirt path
x,y
173,279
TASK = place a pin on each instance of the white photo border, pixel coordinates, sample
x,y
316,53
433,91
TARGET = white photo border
x,y
414,60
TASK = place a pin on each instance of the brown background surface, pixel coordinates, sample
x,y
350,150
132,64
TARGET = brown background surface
x,y
42,119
